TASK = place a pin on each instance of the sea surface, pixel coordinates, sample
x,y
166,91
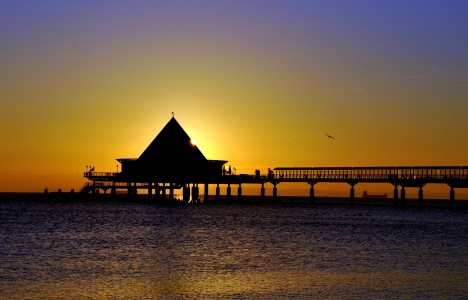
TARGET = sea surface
x,y
76,249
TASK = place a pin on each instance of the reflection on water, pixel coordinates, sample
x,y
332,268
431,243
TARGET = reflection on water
x,y
104,250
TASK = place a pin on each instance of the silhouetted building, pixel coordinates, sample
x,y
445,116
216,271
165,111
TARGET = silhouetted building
x,y
171,157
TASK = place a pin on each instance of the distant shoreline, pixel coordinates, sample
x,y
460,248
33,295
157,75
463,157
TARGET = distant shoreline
x,y
66,196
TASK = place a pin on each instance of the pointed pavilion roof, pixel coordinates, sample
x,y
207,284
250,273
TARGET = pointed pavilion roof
x,y
172,146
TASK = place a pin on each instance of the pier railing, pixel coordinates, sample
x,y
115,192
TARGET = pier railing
x,y
372,173
115,184
337,174
100,174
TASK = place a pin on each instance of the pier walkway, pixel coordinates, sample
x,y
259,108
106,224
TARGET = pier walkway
x,y
403,177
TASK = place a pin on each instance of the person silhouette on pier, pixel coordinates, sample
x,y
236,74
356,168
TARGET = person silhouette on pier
x,y
270,173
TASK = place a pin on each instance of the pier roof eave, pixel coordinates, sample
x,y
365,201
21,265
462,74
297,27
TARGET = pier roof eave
x,y
218,161
126,159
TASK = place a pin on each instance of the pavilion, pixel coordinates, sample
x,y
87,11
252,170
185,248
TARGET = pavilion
x,y
171,161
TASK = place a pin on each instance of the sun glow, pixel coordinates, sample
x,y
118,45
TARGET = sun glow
x,y
193,141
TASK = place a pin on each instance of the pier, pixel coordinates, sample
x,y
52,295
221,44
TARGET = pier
x,y
172,162
400,177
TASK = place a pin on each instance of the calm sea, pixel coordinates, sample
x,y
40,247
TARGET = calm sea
x,y
58,249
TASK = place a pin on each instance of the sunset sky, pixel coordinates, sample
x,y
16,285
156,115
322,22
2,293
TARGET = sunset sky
x,y
257,83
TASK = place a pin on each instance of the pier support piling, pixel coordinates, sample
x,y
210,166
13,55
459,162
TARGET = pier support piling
x,y
403,196
163,191
113,190
351,192
275,192
420,196
129,189
312,192
228,192
93,191
150,190
395,194
205,194
217,192
452,196
171,191
195,192
262,192
239,192
157,195
186,193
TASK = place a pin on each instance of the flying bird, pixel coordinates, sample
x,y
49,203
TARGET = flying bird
x,y
329,136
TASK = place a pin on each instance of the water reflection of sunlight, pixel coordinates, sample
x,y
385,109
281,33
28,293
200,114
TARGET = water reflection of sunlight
x,y
277,284
224,252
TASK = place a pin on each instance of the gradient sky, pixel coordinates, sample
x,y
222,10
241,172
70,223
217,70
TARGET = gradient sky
x,y
257,83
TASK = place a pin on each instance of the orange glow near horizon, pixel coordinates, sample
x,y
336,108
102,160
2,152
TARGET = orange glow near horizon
x,y
256,85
